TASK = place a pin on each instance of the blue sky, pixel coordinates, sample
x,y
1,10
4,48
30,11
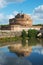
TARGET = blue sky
x,y
9,8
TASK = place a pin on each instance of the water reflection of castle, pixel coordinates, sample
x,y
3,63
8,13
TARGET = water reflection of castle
x,y
20,50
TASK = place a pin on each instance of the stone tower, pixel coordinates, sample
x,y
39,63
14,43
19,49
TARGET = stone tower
x,y
21,20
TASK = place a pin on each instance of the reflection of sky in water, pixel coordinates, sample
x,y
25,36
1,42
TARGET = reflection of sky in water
x,y
8,58
35,58
38,49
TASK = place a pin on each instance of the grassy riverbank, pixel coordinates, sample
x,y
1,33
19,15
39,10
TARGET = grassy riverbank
x,y
9,39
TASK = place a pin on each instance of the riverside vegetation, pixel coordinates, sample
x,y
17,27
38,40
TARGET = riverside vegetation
x,y
29,35
32,33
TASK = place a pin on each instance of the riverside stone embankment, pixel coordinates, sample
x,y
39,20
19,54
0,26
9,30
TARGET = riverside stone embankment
x,y
17,31
9,33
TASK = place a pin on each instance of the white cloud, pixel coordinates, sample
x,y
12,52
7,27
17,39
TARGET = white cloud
x,y
4,19
37,15
12,15
38,12
3,3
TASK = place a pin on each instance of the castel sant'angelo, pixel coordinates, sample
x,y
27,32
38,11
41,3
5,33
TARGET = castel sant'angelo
x,y
20,22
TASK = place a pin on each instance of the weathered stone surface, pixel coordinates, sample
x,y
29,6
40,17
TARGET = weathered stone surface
x,y
20,19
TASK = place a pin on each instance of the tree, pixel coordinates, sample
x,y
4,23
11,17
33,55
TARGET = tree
x,y
23,34
32,33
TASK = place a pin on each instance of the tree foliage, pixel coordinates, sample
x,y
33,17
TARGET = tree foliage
x,y
32,33
23,34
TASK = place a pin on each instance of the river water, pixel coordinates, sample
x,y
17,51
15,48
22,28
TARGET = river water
x,y
34,58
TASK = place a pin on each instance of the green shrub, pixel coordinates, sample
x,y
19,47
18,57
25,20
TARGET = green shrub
x,y
32,33
23,34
